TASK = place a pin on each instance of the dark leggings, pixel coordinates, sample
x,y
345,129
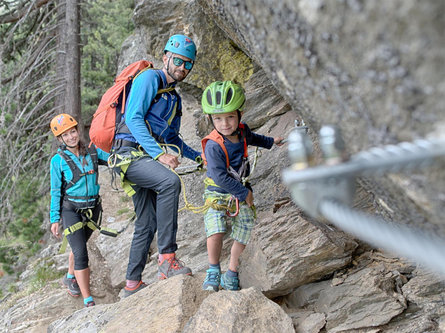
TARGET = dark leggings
x,y
78,239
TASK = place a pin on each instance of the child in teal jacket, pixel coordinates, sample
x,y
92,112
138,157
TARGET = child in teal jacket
x,y
75,199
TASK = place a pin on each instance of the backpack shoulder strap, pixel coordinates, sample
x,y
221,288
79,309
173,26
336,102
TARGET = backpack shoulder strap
x,y
244,139
93,153
215,136
163,86
122,127
74,170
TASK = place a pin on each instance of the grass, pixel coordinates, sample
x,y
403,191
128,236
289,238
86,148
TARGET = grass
x,y
123,211
44,273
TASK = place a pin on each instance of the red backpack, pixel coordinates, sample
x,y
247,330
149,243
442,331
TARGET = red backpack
x,y
112,106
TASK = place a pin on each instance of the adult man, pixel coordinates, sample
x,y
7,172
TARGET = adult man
x,y
152,117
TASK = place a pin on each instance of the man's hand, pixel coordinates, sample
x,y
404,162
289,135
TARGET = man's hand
x,y
249,199
55,229
170,160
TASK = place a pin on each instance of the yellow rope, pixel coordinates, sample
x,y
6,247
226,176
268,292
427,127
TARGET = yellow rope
x,y
187,205
210,202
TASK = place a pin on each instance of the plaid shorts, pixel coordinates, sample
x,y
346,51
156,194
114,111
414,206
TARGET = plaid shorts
x,y
216,221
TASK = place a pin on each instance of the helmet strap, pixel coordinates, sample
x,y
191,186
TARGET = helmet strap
x,y
168,67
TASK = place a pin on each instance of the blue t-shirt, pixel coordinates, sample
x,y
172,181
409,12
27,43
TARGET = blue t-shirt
x,y
151,117
216,162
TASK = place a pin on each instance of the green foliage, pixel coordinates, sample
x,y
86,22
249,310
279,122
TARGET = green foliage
x,y
30,208
23,233
12,288
44,274
105,25
27,103
123,211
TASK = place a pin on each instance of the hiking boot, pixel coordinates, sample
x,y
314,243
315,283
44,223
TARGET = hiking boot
x,y
71,284
129,292
229,282
171,266
90,303
212,280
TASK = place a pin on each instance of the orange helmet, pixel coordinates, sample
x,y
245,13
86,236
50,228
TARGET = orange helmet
x,y
61,123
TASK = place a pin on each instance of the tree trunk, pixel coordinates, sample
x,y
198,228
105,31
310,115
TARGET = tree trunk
x,y
72,63
59,101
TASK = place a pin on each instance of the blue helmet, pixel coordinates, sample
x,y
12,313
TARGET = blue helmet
x,y
181,45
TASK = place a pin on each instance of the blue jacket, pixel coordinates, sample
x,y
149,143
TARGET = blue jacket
x,y
86,186
216,162
148,117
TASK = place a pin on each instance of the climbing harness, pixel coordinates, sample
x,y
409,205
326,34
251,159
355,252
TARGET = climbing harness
x,y
85,208
76,171
123,161
241,175
327,190
89,222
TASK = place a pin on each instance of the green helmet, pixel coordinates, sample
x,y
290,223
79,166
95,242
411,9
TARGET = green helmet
x,y
222,97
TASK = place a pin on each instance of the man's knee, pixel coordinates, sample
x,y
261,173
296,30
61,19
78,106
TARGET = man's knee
x,y
172,183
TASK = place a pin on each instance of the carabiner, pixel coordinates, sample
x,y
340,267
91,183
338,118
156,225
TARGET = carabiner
x,y
230,204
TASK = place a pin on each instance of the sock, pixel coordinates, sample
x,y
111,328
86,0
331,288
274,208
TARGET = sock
x,y
217,266
131,284
231,273
88,299
70,276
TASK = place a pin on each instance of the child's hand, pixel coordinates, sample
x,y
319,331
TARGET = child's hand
x,y
249,199
278,141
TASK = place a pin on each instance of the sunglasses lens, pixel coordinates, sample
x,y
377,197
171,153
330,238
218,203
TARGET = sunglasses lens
x,y
178,62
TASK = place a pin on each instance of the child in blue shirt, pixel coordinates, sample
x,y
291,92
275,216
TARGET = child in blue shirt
x,y
75,198
225,153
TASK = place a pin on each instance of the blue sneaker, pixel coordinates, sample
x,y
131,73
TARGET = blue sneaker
x,y
72,286
229,282
212,279
89,303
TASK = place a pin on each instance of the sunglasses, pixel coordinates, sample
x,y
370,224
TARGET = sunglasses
x,y
178,62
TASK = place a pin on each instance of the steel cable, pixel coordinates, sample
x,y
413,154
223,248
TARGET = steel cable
x,y
414,244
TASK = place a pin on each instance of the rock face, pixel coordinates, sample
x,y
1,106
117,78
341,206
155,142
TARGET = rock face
x,y
244,311
286,252
375,69
161,307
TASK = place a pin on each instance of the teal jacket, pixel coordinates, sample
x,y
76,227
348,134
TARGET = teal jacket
x,y
86,186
